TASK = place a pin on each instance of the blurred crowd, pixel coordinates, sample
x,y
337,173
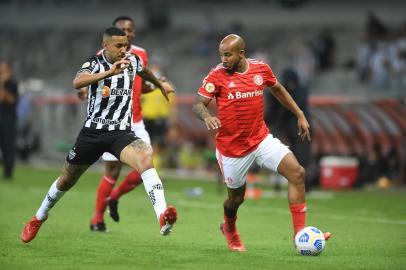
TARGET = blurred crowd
x,y
301,63
381,57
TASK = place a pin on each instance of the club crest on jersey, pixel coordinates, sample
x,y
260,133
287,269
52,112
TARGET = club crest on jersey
x,y
72,153
209,87
85,65
105,91
258,80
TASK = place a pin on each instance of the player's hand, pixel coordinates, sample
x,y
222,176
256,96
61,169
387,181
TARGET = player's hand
x,y
304,128
82,93
119,66
212,122
167,89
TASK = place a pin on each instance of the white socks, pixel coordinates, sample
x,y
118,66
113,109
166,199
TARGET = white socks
x,y
155,190
152,183
50,199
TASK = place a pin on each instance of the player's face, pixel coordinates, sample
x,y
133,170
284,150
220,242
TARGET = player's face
x,y
128,28
230,57
116,47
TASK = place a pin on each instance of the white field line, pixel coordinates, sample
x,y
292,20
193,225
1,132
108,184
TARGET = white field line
x,y
285,211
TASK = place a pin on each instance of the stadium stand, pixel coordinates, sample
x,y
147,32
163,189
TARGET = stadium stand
x,y
353,105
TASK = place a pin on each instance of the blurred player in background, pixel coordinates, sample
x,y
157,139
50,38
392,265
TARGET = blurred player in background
x,y
107,128
237,84
8,119
106,195
157,113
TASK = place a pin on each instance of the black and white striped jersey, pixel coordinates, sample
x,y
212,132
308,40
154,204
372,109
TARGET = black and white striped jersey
x,y
110,100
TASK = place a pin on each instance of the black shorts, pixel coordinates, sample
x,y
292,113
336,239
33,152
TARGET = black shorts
x,y
92,143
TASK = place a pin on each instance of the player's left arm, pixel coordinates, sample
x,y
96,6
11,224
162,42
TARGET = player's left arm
x,y
147,87
83,93
283,96
165,87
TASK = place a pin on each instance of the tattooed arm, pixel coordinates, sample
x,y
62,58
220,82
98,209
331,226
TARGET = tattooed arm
x,y
201,111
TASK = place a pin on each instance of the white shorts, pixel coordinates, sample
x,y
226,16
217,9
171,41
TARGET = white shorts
x,y
139,131
268,154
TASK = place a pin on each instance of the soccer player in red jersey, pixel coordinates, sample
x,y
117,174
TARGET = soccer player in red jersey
x,y
237,84
106,195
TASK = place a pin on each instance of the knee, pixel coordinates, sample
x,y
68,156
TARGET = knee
x,y
298,175
144,161
138,155
64,183
113,169
237,200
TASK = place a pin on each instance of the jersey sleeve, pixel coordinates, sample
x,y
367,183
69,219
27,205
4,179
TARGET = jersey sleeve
x,y
209,87
136,63
145,59
143,55
91,66
269,77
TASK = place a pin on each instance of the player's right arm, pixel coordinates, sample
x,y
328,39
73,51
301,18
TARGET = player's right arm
x,y
83,93
85,77
201,111
206,92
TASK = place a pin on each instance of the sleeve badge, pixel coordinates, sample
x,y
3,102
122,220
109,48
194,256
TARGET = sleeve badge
x,y
209,87
86,65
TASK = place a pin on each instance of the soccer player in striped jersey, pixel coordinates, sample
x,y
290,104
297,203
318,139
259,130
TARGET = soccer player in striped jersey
x,y
106,195
237,84
107,128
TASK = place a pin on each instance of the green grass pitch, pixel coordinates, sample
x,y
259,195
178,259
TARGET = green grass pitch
x,y
369,229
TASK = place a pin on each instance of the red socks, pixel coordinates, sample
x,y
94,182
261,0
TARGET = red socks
x,y
103,192
132,180
229,223
298,212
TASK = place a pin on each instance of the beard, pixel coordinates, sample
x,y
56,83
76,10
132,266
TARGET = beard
x,y
233,69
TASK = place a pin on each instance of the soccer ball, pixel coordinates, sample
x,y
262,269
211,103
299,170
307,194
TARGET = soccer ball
x,y
310,241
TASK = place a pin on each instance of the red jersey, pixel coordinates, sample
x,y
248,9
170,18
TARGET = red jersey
x,y
239,98
137,84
